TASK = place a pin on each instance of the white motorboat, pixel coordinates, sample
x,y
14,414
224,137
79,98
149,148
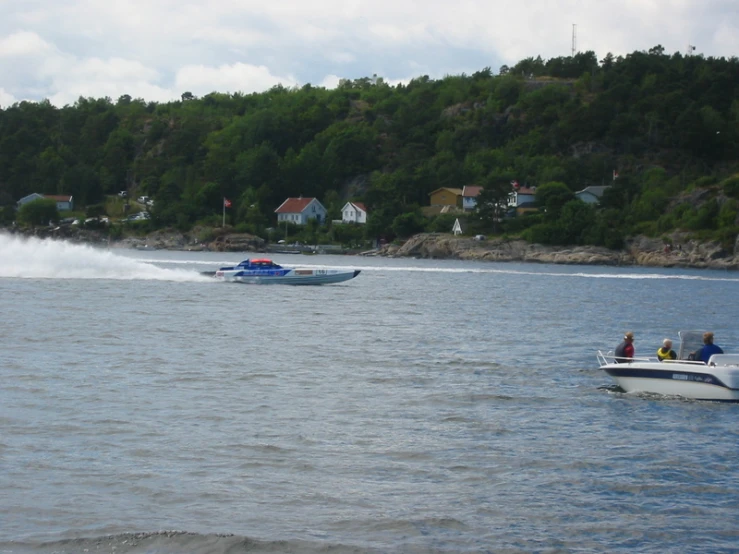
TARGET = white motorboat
x,y
263,271
716,380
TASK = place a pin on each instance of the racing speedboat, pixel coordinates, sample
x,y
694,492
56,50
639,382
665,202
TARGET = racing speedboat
x,y
716,380
263,271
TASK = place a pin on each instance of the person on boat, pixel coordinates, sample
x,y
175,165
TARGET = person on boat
x,y
708,349
625,350
666,352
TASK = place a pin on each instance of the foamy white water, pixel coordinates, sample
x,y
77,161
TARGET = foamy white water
x,y
33,258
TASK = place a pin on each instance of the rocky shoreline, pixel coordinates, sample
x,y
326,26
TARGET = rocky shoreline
x,y
677,250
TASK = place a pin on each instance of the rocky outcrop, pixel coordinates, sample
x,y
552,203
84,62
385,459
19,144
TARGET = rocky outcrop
x,y
679,251
238,242
642,251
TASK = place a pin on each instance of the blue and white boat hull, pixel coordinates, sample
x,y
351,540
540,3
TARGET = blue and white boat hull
x,y
718,380
266,272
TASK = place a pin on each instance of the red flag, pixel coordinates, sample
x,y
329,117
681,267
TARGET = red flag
x,y
226,203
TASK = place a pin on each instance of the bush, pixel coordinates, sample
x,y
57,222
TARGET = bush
x,y
544,233
95,210
408,224
115,232
38,212
347,233
7,215
206,234
443,223
731,186
704,182
521,222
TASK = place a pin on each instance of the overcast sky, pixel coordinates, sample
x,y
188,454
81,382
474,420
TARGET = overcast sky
x,y
158,49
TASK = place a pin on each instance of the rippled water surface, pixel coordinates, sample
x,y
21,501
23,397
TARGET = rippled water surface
x,y
425,406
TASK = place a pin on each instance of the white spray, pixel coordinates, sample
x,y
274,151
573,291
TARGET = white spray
x,y
35,258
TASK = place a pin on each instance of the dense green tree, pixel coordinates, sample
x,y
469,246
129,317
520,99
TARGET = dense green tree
x,y
492,202
407,224
552,197
668,123
38,212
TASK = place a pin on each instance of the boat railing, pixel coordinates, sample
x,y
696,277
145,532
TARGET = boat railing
x,y
605,358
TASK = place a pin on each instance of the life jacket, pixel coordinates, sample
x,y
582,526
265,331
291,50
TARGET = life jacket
x,y
664,354
624,352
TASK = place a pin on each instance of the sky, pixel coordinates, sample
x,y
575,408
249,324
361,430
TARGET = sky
x,y
158,49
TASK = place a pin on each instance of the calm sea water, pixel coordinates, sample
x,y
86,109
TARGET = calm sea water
x,y
425,406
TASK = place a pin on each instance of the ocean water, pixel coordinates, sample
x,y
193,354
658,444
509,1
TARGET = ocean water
x,y
425,406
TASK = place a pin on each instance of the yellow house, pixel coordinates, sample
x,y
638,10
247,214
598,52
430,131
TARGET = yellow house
x,y
446,197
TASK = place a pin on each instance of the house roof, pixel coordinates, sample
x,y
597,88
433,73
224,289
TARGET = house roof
x,y
525,190
357,205
32,195
595,190
471,192
458,192
293,205
58,197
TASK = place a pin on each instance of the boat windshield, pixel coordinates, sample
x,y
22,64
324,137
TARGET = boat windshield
x,y
260,264
690,341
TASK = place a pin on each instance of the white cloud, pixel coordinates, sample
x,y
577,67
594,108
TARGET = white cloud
x,y
158,49
95,77
6,99
330,81
341,57
239,77
22,43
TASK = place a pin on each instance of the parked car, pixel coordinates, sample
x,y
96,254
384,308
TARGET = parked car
x,y
138,216
123,194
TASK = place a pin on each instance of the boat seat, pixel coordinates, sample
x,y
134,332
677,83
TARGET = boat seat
x,y
724,359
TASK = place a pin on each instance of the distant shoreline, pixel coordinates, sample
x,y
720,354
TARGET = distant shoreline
x,y
641,251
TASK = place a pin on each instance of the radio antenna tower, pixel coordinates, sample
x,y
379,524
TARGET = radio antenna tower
x,y
574,39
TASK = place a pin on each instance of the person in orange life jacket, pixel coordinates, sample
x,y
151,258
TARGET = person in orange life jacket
x,y
666,352
708,349
625,350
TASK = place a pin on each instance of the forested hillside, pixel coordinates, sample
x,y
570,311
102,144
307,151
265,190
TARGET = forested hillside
x,y
668,124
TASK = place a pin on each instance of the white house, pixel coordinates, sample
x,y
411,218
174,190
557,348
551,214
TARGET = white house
x,y
592,194
300,210
469,197
63,202
354,212
521,195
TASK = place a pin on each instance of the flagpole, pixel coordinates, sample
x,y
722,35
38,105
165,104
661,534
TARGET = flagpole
x,y
224,213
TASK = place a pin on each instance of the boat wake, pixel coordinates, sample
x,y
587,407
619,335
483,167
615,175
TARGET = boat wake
x,y
597,272
33,258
